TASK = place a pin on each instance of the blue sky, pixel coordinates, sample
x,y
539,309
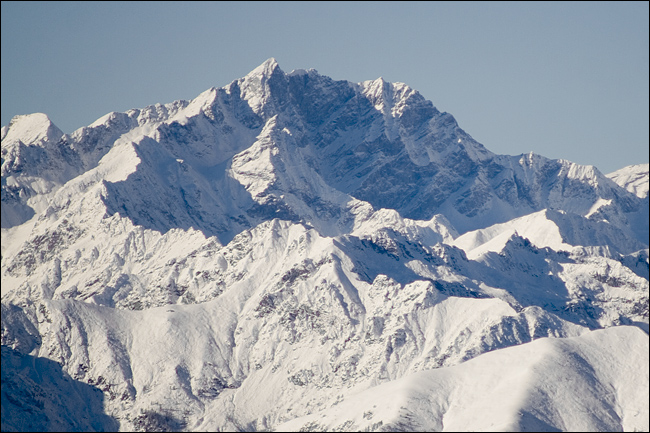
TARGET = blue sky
x,y
563,79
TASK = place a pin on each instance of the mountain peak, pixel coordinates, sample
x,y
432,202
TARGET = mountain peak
x,y
267,68
31,129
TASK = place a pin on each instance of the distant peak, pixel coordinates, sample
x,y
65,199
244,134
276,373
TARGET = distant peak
x,y
35,128
377,83
633,178
298,72
266,68
271,62
34,118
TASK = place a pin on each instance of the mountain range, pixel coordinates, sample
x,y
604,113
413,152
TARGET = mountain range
x,y
294,253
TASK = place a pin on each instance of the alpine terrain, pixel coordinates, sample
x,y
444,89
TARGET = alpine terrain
x,y
295,253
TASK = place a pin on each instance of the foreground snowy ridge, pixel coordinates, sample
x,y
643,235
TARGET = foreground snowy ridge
x,y
290,252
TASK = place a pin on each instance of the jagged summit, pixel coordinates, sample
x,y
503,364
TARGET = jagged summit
x,y
375,141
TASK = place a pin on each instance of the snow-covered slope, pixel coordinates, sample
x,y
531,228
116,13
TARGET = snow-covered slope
x,y
531,387
279,244
634,178
560,231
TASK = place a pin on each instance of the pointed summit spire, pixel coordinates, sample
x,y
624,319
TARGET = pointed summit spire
x,y
266,68
261,83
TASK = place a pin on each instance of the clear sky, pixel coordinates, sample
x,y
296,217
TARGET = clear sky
x,y
565,80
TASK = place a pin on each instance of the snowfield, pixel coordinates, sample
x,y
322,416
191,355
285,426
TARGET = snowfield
x,y
294,253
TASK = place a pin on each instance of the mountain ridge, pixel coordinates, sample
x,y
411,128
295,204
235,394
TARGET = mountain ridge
x,y
385,151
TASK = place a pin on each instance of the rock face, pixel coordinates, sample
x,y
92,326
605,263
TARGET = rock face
x,y
251,258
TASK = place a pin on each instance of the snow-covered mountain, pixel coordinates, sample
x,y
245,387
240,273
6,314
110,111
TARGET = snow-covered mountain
x,y
284,251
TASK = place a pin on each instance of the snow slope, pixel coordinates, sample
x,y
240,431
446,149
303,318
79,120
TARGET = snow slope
x,y
633,178
559,231
531,387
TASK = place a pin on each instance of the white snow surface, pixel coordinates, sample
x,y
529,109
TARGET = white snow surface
x,y
290,252
546,229
30,129
634,178
530,387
